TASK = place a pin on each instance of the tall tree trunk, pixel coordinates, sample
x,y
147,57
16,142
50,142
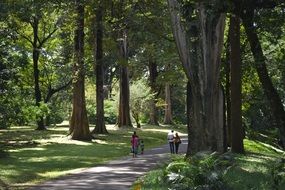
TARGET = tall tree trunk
x,y
200,54
227,92
168,108
188,114
124,118
235,57
225,126
79,126
36,55
99,69
273,97
153,118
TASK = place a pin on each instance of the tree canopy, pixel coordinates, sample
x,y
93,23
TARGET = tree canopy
x,y
167,44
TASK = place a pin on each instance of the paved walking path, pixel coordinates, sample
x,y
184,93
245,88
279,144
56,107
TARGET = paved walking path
x,y
115,175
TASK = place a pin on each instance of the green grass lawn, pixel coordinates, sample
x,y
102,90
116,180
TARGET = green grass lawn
x,y
35,156
262,168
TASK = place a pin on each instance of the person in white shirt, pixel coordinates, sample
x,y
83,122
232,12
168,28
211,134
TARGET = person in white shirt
x,y
170,138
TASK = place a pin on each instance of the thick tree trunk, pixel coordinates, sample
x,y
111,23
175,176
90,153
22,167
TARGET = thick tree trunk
x,y
99,69
188,114
36,55
225,126
124,118
200,55
79,126
227,94
275,102
153,118
168,108
235,57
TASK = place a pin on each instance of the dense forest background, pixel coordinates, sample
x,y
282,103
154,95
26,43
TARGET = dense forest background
x,y
119,60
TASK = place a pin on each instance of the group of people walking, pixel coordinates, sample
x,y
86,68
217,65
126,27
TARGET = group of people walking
x,y
138,144
174,142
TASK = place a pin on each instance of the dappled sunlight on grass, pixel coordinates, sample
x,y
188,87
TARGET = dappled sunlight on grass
x,y
22,128
256,146
37,159
241,178
254,169
101,141
35,156
160,130
255,158
24,149
64,140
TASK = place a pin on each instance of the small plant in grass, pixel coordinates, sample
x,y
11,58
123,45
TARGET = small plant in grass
x,y
155,180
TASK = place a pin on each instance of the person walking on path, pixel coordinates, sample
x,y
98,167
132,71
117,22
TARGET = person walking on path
x,y
135,144
177,142
170,138
142,146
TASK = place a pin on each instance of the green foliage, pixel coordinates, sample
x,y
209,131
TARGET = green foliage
x,y
178,100
91,112
199,172
110,112
153,180
140,95
262,167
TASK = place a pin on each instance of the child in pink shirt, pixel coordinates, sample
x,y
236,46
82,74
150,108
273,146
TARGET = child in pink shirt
x,y
135,144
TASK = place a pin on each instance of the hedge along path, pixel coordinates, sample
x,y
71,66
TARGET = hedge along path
x,y
115,175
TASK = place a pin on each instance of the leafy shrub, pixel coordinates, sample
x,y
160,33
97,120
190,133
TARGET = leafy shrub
x,y
139,99
110,111
202,171
91,112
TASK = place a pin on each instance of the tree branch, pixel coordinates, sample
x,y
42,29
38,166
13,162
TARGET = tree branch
x,y
25,37
41,43
52,91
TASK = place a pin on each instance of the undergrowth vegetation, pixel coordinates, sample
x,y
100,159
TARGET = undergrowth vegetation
x,y
262,167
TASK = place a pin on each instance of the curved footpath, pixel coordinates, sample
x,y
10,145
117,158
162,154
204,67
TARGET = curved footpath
x,y
115,175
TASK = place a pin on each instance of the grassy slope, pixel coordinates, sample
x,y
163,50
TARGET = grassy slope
x,y
35,156
257,169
